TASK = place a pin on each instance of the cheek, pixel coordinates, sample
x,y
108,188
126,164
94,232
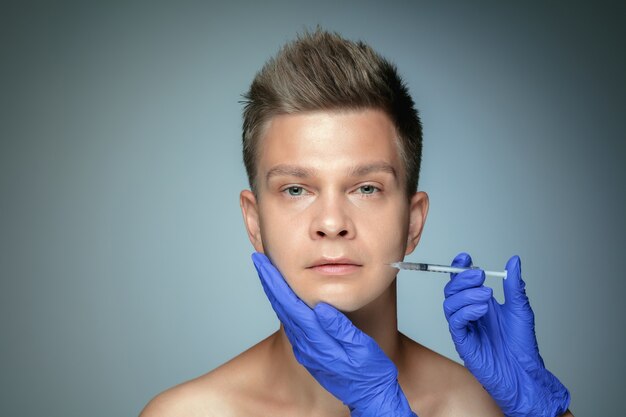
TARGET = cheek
x,y
282,238
386,235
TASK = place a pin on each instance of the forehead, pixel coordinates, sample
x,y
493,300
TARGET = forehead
x,y
329,140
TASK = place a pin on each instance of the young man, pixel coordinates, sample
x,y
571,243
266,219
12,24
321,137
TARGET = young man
x,y
332,147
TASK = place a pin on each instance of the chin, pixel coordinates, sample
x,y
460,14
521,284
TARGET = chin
x,y
344,306
346,302
347,293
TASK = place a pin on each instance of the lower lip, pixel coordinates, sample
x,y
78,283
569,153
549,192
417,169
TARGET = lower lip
x,y
336,269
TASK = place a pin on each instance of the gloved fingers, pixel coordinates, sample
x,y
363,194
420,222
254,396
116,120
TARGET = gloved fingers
x,y
459,321
462,260
339,327
265,275
355,351
349,339
289,308
454,303
514,285
464,280
334,322
312,349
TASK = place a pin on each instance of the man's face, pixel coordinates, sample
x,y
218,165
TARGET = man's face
x,y
332,209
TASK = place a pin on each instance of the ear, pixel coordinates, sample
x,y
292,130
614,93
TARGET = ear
x,y
418,210
250,211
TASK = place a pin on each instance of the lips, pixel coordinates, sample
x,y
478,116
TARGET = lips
x,y
335,266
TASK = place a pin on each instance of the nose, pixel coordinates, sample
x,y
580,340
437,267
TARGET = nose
x,y
332,219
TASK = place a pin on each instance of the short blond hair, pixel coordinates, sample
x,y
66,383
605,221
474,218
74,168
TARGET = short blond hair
x,y
323,71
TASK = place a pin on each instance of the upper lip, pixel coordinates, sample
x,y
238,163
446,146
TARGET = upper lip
x,y
333,261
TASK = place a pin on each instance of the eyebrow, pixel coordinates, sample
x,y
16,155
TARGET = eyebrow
x,y
355,171
289,170
366,169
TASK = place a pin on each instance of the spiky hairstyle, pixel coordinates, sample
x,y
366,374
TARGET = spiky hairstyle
x,y
322,71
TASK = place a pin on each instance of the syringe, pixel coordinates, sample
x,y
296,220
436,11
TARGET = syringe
x,y
412,266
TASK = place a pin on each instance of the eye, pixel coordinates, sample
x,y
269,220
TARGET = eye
x,y
295,191
368,189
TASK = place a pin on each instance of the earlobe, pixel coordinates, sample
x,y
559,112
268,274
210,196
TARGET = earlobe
x,y
418,210
250,211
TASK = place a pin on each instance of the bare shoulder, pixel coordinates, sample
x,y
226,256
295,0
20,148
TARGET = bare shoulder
x,y
186,399
438,386
227,391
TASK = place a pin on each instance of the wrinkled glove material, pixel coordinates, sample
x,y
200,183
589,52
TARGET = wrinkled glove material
x,y
497,342
345,361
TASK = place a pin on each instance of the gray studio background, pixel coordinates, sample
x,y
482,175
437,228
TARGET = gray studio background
x,y
124,262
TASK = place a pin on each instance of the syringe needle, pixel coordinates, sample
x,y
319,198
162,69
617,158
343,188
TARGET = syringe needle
x,y
414,266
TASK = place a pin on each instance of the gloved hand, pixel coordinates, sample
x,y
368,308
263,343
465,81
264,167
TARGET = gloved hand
x,y
497,342
345,361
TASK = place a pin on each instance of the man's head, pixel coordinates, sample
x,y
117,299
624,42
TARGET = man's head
x,y
334,198
322,71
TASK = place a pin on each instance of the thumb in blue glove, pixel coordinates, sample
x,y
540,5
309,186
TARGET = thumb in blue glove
x,y
497,342
345,361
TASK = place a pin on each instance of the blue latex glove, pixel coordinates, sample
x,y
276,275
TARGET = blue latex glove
x,y
497,342
345,361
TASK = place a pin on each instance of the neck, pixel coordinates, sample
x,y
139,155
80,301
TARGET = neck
x,y
377,319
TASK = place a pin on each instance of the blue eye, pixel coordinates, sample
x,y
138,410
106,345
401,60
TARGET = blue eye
x,y
295,191
368,189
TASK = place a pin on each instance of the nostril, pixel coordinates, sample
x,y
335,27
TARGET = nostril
x,y
321,234
343,233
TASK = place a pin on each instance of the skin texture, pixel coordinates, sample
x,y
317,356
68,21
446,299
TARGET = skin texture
x,y
345,207
331,186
